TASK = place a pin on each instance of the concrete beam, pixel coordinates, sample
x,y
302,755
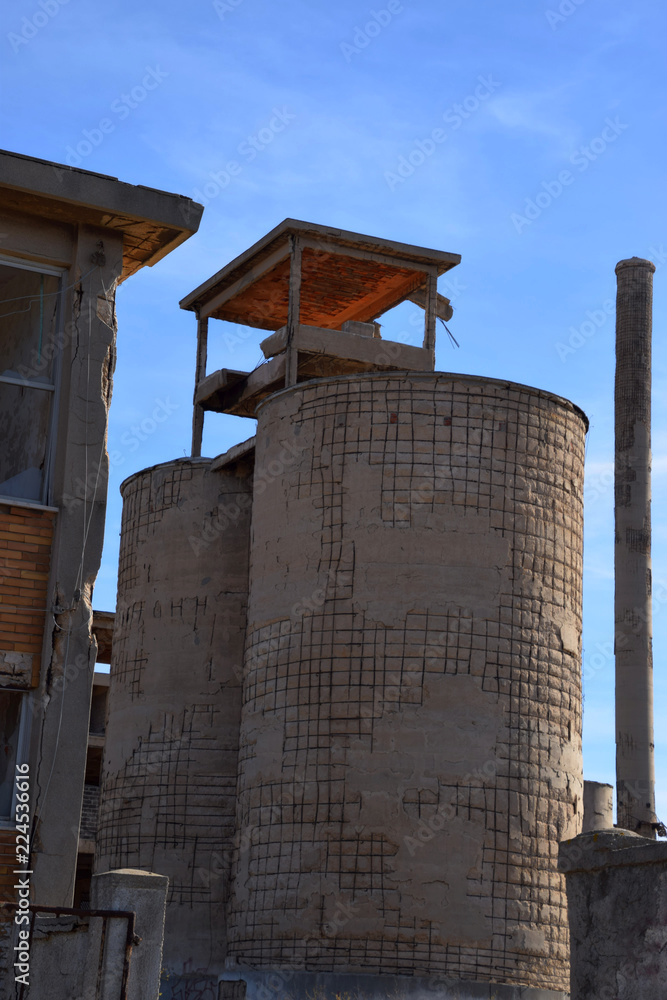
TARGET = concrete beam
x,y
373,351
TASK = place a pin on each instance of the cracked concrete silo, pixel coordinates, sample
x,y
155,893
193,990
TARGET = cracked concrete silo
x,y
410,751
169,780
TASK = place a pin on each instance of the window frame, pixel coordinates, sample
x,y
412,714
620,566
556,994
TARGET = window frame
x,y
23,264
22,751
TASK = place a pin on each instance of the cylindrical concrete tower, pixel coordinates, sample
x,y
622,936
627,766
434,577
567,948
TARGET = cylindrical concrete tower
x,y
635,769
598,806
169,780
411,728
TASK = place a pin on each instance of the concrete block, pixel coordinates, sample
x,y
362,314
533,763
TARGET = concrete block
x,y
145,893
617,903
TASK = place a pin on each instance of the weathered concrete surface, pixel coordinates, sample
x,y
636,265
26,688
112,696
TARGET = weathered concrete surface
x,y
62,963
81,957
169,776
598,806
281,984
62,703
145,894
635,768
349,344
411,730
617,900
93,230
152,222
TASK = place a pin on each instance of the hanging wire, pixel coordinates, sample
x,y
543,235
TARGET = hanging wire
x,y
36,296
451,335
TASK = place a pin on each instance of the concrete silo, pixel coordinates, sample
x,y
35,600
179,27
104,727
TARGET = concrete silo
x,y
411,725
409,730
168,794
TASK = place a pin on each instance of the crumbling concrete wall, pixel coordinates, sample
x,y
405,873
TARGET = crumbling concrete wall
x,y
617,899
93,956
169,776
411,728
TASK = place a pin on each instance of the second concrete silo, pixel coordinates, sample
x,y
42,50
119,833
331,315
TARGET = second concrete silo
x,y
169,782
411,725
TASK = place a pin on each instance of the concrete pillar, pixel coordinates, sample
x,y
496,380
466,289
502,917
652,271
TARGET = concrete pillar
x,y
144,893
617,905
635,773
598,806
81,465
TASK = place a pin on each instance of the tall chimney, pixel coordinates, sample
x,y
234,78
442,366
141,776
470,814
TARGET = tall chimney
x,y
635,772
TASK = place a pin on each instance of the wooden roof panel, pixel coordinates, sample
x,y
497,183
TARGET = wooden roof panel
x,y
344,276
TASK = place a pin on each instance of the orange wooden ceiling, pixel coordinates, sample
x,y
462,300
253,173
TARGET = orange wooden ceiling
x,y
334,288
344,276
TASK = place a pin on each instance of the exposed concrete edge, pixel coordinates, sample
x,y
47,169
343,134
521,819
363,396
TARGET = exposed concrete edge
x,y
133,878
361,986
635,262
64,183
430,376
193,460
234,454
28,504
609,849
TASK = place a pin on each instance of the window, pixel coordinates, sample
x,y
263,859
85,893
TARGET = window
x,y
30,319
10,726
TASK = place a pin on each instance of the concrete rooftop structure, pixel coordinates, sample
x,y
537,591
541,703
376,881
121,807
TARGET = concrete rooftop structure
x,y
320,289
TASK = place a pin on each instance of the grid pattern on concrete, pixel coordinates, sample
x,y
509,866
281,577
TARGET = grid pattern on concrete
x,y
372,818
146,498
162,801
169,778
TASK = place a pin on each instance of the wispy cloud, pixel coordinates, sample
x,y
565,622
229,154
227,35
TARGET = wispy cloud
x,y
533,114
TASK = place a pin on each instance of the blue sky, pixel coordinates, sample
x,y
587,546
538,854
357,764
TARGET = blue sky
x,y
529,137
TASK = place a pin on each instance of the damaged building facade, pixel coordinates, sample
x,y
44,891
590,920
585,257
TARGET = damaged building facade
x,y
69,237
343,733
